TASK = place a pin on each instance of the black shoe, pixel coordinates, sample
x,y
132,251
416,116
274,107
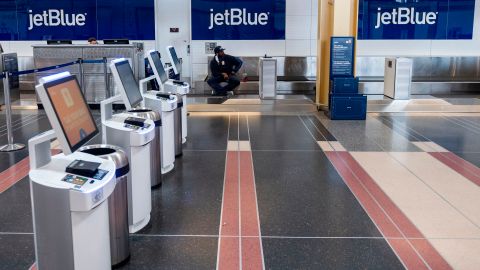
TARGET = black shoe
x,y
219,94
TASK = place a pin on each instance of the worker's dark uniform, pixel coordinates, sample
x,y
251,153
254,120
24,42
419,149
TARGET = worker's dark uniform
x,y
227,64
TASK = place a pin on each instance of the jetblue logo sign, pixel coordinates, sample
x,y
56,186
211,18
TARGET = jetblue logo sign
x,y
236,16
238,20
421,19
78,20
55,17
405,16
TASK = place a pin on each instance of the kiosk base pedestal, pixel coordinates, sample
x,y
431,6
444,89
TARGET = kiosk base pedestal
x,y
140,225
168,169
12,147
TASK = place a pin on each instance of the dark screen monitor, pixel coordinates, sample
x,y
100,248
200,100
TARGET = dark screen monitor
x,y
177,66
116,41
157,65
128,83
58,42
71,111
10,63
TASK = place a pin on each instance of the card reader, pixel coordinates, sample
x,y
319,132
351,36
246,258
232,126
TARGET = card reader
x,y
83,168
162,95
179,83
135,121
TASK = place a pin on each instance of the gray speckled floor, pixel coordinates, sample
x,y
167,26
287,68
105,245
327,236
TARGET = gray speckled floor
x,y
369,135
309,218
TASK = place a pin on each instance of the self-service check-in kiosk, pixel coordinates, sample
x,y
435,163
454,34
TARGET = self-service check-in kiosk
x,y
135,136
163,103
168,87
69,191
177,87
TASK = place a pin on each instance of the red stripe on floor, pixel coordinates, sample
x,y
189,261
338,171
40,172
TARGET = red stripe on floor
x,y
409,230
17,172
229,246
406,227
33,267
461,166
375,212
251,243
389,219
240,245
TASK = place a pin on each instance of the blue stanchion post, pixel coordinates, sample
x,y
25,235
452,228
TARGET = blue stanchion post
x,y
81,75
108,93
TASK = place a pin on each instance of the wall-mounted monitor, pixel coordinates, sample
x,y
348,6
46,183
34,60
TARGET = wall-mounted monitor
x,y
174,60
67,110
125,81
157,67
116,41
59,42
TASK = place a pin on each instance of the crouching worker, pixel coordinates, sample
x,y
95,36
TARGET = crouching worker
x,y
224,68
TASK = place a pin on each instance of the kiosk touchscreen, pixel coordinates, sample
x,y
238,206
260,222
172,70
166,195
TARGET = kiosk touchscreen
x,y
69,191
68,111
125,80
177,66
157,66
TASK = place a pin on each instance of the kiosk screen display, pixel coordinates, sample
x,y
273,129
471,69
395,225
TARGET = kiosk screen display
x,y
115,41
175,60
59,42
158,65
129,83
72,111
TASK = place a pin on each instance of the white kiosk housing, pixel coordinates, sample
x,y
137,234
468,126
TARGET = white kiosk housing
x,y
69,191
135,136
170,86
163,103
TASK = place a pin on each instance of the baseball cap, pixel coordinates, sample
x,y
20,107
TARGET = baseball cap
x,y
218,49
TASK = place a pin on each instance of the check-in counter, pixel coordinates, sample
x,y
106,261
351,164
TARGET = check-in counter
x,y
94,85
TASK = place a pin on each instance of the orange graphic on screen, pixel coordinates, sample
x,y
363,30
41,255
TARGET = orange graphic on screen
x,y
72,111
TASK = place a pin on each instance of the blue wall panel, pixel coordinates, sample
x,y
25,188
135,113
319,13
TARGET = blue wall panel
x,y
416,19
77,20
251,20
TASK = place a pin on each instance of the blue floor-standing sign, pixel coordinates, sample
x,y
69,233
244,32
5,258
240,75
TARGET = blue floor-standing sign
x,y
345,102
342,57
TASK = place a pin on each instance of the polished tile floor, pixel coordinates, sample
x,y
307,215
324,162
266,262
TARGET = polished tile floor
x,y
293,191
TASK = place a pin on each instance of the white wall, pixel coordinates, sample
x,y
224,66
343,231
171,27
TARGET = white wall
x,y
300,34
174,14
424,47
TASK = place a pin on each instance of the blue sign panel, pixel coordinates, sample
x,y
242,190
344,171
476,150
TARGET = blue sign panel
x,y
416,19
238,20
342,57
77,20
